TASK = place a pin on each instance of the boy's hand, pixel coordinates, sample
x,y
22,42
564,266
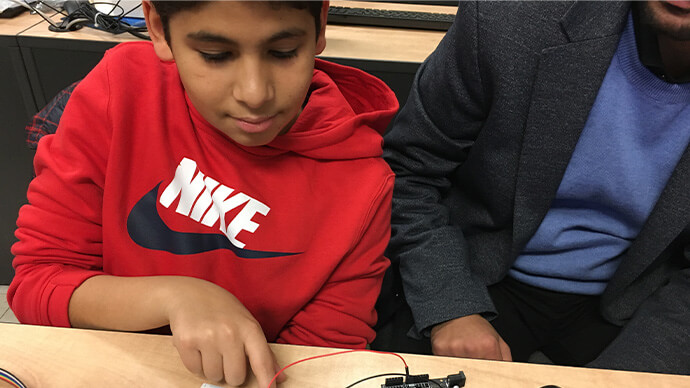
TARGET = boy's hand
x,y
215,334
471,336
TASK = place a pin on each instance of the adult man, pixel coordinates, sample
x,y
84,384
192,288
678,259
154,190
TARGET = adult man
x,y
542,198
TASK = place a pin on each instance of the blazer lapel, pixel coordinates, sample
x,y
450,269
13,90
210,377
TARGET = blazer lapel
x,y
565,87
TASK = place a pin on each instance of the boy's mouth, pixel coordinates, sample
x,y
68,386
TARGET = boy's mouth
x,y
255,124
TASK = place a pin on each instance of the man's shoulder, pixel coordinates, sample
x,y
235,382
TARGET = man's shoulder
x,y
521,30
520,12
523,16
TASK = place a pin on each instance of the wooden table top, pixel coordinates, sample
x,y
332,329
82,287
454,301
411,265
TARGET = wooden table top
x,y
56,357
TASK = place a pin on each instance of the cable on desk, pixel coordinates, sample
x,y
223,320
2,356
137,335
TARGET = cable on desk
x,y
44,4
26,4
407,369
105,21
80,13
11,379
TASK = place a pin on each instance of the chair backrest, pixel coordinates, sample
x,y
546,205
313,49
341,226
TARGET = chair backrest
x,y
46,121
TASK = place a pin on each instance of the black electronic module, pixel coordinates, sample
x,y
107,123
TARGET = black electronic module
x,y
423,381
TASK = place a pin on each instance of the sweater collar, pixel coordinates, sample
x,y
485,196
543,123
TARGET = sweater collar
x,y
648,48
629,60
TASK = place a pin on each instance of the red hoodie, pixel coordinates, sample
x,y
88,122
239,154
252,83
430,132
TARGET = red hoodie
x,y
137,183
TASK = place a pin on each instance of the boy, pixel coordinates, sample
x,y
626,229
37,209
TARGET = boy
x,y
222,185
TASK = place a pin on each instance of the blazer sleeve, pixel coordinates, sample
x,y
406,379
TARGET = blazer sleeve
x,y
342,313
430,139
59,230
657,337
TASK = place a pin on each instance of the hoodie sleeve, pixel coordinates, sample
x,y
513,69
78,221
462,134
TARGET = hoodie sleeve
x,y
342,313
59,230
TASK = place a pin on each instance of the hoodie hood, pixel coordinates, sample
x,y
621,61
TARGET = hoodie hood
x,y
345,117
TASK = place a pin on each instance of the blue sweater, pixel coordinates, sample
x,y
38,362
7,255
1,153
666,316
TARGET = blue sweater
x,y
635,134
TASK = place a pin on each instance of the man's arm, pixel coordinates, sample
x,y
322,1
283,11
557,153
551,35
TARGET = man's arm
x,y
430,139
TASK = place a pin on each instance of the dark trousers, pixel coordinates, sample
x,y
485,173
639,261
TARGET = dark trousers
x,y
567,328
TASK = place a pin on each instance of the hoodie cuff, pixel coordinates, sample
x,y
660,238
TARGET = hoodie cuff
x,y
57,294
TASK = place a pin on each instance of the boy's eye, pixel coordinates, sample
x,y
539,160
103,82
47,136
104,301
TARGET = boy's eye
x,y
215,57
284,54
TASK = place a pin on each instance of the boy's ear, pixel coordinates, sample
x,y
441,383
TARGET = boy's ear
x,y
321,38
156,32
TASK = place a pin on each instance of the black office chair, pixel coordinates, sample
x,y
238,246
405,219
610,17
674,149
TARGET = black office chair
x,y
46,121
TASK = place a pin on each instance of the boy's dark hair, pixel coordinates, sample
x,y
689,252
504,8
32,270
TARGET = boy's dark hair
x,y
167,9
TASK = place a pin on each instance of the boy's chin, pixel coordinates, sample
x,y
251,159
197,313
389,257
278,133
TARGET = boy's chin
x,y
252,140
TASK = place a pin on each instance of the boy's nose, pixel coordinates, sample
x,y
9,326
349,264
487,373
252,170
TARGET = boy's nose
x,y
253,86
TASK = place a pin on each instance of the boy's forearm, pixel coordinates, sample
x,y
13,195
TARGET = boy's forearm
x,y
122,303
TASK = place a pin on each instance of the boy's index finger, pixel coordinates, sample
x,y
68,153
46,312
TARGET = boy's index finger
x,y
261,360
281,377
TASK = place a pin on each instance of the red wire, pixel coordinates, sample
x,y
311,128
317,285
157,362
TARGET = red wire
x,y
334,354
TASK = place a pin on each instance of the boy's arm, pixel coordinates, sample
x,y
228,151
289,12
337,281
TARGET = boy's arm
x,y
122,303
59,231
212,331
342,313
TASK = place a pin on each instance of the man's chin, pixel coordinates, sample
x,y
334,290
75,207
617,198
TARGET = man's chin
x,y
667,19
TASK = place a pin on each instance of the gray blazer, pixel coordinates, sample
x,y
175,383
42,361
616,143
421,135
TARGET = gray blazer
x,y
479,151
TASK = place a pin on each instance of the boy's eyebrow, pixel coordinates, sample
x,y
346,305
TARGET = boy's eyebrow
x,y
205,36
285,34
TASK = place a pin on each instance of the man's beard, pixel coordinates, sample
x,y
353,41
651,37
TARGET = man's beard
x,y
653,16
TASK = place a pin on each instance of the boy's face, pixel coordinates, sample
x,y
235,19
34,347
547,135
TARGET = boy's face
x,y
246,66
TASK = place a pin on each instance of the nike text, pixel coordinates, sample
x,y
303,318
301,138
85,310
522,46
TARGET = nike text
x,y
202,196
